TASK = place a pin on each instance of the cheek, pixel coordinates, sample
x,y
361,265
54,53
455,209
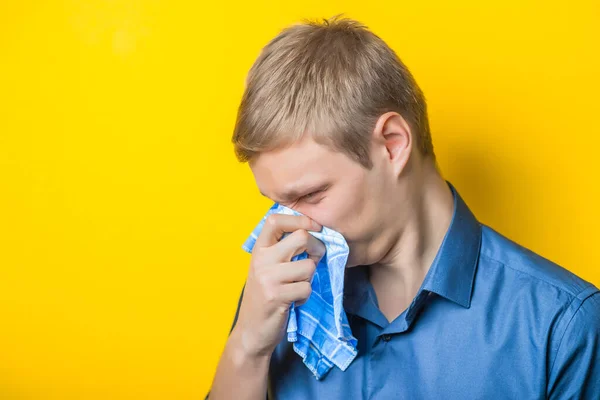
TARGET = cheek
x,y
361,216
327,216
330,213
346,217
344,209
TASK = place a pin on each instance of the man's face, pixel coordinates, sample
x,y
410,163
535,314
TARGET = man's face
x,y
333,190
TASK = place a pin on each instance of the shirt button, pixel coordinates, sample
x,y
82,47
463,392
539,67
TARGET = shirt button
x,y
386,337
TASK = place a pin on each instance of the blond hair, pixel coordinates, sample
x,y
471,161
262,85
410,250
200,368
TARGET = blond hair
x,y
332,79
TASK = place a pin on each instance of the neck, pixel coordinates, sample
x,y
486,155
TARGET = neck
x,y
418,236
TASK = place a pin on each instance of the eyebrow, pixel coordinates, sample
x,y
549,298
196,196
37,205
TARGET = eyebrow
x,y
296,193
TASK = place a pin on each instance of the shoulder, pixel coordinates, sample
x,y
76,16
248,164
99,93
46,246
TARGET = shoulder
x,y
498,251
573,360
555,297
564,308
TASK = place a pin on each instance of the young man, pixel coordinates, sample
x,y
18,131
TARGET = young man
x,y
334,126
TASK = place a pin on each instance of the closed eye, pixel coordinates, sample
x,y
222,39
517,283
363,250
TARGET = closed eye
x,y
310,195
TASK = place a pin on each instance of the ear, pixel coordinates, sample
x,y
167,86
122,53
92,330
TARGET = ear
x,y
394,133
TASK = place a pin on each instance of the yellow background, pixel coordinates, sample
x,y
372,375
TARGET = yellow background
x,y
123,209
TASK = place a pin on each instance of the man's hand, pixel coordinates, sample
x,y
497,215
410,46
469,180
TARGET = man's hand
x,y
274,282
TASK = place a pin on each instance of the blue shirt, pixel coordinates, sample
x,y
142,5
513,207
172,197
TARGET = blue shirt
x,y
491,320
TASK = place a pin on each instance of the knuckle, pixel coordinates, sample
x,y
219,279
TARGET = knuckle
x,y
271,295
303,235
255,263
271,220
258,252
263,279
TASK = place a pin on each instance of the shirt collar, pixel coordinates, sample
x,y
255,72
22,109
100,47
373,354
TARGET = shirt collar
x,y
452,272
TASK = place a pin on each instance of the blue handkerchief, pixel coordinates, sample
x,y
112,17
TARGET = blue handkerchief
x,y
319,328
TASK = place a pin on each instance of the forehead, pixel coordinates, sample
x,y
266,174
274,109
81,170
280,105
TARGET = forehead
x,y
301,165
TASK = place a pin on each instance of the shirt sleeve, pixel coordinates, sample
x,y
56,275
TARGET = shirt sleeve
x,y
575,369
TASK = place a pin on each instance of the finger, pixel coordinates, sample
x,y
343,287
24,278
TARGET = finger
x,y
296,243
298,291
277,224
294,271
